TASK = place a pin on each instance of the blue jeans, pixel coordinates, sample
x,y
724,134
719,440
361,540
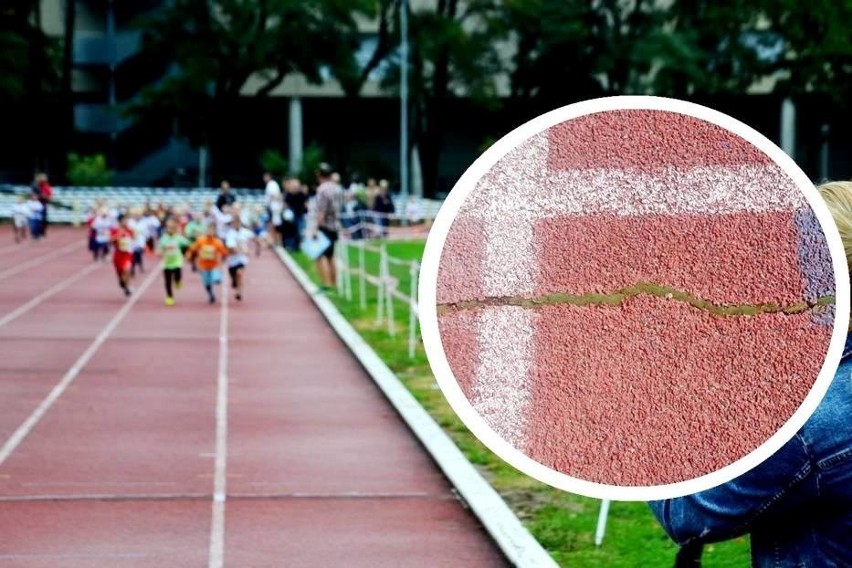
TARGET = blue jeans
x,y
797,505
35,228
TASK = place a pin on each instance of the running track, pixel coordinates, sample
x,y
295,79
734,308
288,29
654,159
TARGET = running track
x,y
239,434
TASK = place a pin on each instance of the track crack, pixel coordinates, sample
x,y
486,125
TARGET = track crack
x,y
640,288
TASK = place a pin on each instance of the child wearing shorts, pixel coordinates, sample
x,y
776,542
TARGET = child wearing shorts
x,y
122,239
171,247
208,251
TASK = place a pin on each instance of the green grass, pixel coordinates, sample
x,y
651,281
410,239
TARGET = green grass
x,y
562,522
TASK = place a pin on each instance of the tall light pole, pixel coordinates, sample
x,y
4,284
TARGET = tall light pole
x,y
403,99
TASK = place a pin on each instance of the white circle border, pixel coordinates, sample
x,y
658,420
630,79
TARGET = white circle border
x,y
473,421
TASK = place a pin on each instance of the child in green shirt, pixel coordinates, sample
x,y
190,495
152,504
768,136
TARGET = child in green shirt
x,y
194,229
171,246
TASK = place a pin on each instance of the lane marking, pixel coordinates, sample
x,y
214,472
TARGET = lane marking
x,y
70,555
38,260
501,523
217,526
47,294
96,483
24,429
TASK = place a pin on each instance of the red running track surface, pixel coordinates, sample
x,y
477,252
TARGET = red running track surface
x,y
119,471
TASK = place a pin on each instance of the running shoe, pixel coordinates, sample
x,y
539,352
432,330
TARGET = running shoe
x,y
128,291
178,284
212,299
170,301
238,297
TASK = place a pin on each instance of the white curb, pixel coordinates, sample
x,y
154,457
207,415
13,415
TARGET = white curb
x,y
502,524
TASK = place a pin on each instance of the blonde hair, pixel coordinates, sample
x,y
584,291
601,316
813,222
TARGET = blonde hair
x,y
838,196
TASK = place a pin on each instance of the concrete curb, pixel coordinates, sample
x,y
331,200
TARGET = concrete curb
x,y
516,542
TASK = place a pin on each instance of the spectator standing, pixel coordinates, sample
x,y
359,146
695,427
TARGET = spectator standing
x,y
327,220
225,196
383,206
296,198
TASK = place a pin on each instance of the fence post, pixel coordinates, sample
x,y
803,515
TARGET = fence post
x,y
602,515
413,310
338,254
380,294
389,290
362,281
348,274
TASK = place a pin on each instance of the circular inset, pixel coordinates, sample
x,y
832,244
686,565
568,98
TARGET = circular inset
x,y
634,298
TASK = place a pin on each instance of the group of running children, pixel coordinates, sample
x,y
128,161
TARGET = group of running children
x,y
206,239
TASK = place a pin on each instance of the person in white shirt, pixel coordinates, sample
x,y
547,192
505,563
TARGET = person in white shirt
x,y
271,191
140,237
20,215
222,217
276,208
102,225
151,225
238,240
36,216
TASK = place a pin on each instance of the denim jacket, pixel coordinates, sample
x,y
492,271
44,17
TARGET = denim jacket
x,y
797,505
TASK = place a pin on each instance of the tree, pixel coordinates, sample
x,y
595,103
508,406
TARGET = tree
x,y
574,49
453,54
29,60
216,46
813,46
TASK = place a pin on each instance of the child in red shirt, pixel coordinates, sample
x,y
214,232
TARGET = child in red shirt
x,y
121,238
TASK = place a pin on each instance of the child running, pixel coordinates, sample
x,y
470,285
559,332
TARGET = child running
x,y
36,216
195,228
138,227
171,247
102,226
20,216
208,252
237,241
122,240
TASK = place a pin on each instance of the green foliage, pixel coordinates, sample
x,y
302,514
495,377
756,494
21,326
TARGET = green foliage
x,y
312,156
573,49
274,162
88,171
454,51
815,47
218,46
30,61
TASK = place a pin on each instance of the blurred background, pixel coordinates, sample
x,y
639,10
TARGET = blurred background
x,y
184,93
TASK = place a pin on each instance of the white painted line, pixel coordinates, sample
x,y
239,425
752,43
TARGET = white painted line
x,y
38,260
217,526
499,520
24,429
47,294
501,391
18,246
105,497
72,555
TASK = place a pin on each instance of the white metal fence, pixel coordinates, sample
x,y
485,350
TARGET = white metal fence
x,y
351,262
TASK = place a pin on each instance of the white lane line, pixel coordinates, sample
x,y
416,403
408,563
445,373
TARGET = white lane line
x,y
24,429
47,294
74,555
217,526
516,542
38,260
18,246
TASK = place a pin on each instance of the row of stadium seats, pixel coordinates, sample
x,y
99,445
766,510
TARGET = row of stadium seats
x,y
73,202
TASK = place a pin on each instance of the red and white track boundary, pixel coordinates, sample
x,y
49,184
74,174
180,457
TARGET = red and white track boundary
x,y
507,531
